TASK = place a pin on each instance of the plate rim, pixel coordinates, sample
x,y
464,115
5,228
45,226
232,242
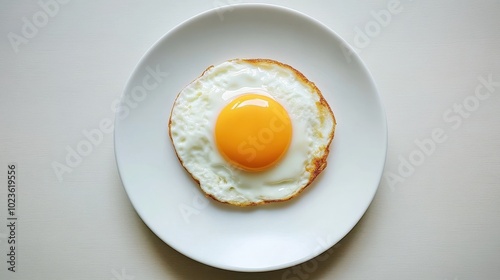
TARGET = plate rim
x,y
294,13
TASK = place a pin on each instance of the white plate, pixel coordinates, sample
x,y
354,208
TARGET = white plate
x,y
259,238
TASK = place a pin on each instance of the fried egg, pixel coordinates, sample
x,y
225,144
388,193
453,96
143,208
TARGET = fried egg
x,y
252,131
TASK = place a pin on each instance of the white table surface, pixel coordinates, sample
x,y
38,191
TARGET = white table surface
x,y
439,219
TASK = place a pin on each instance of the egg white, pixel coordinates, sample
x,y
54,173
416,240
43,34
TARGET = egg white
x,y
193,119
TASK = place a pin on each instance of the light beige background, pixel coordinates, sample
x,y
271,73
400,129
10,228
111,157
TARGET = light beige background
x,y
439,221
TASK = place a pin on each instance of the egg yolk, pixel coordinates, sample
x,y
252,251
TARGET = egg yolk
x,y
253,132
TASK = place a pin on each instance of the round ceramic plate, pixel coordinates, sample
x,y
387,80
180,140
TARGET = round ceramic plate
x,y
264,237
